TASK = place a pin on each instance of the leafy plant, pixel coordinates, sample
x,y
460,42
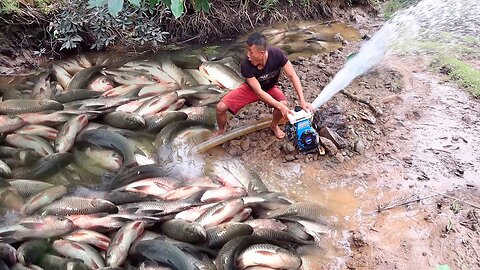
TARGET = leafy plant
x,y
176,6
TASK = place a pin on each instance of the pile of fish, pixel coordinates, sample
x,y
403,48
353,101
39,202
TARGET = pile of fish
x,y
93,158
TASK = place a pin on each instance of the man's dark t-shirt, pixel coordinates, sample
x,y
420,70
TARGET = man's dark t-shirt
x,y
268,76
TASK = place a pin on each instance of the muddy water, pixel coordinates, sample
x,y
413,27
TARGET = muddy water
x,y
338,202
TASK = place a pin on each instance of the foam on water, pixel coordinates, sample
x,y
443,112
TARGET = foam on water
x,y
447,21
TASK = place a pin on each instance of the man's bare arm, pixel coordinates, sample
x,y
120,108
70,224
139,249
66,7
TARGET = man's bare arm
x,y
292,75
265,97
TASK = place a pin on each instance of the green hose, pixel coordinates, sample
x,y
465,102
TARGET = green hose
x,y
232,134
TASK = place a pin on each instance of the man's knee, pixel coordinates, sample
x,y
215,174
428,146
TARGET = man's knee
x,y
222,107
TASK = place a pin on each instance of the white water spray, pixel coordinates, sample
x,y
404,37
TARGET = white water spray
x,y
430,20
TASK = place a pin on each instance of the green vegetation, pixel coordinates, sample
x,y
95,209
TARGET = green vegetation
x,y
144,24
394,5
460,72
8,6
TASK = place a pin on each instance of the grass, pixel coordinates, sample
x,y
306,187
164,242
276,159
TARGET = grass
x,y
8,6
393,5
460,72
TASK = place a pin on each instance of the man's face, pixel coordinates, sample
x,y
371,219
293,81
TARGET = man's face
x,y
255,55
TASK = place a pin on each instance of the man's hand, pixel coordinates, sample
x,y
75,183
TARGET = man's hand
x,y
307,107
284,110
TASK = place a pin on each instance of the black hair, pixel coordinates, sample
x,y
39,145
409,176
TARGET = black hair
x,y
258,40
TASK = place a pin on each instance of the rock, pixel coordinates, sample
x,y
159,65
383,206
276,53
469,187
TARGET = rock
x,y
467,119
245,144
287,148
333,136
329,145
235,151
360,147
289,158
340,157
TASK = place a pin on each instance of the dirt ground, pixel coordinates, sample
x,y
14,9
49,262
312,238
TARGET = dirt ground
x,y
404,193
417,162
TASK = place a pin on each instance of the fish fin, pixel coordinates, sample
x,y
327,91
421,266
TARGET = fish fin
x,y
31,225
202,57
8,239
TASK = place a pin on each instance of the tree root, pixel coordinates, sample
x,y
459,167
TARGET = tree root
x,y
377,112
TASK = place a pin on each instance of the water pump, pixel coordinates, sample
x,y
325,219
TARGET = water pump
x,y
300,130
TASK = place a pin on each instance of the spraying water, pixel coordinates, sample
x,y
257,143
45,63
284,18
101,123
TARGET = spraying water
x,y
447,21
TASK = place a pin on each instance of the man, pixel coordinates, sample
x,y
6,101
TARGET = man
x,y
261,69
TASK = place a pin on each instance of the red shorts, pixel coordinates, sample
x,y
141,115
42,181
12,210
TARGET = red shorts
x,y
244,95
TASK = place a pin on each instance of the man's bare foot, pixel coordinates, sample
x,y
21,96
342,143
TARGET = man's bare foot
x,y
217,133
278,132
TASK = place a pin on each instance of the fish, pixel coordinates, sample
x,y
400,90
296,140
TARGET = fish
x,y
31,251
301,210
43,89
10,123
5,170
124,120
218,235
157,104
111,140
129,76
154,208
185,231
61,75
76,94
157,89
136,173
53,262
101,84
128,90
156,186
117,251
89,237
81,79
38,130
44,167
99,222
38,144
45,118
179,75
18,106
27,188
273,224
280,237
157,121
269,256
41,227
43,198
165,253
80,251
8,254
220,212
78,205
198,76
66,136
108,159
222,75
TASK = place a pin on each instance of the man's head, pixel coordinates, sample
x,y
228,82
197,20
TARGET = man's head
x,y
257,46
